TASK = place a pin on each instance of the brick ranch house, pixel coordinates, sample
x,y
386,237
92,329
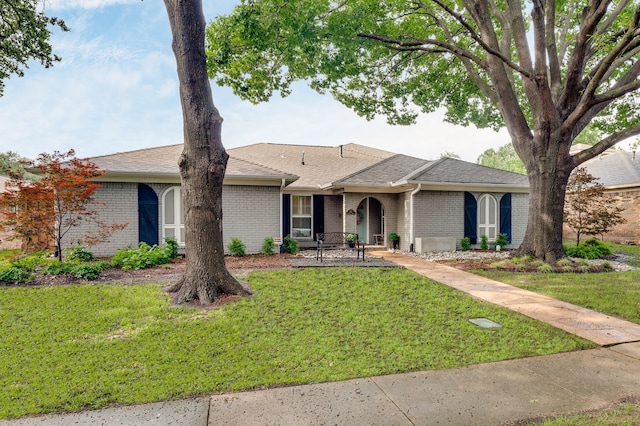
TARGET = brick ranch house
x,y
274,190
619,172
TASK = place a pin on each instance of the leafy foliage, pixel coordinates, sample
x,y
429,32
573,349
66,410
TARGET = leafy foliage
x,y
15,275
145,256
484,242
290,245
588,210
268,246
505,158
172,247
24,35
502,240
236,247
44,211
590,249
465,243
79,253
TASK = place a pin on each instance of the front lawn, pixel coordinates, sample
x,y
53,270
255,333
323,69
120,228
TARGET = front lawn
x,y
612,293
67,348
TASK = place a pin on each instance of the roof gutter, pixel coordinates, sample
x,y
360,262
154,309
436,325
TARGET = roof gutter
x,y
411,220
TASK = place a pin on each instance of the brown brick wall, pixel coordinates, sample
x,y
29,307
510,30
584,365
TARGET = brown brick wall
x,y
628,233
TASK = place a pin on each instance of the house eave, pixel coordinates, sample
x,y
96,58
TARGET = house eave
x,y
469,187
249,180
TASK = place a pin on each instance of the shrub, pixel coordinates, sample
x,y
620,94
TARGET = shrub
x,y
484,242
290,245
394,237
79,253
145,256
268,246
465,243
86,270
351,237
590,249
31,261
502,240
55,267
236,247
171,245
15,274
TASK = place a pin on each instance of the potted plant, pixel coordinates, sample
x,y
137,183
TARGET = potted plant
x,y
395,240
351,239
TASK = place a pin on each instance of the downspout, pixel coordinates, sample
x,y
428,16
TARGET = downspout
x,y
411,217
282,185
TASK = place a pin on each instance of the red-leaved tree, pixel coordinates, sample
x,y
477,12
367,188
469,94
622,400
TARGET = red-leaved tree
x,y
43,212
588,210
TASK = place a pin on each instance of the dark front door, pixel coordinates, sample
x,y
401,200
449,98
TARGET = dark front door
x,y
147,215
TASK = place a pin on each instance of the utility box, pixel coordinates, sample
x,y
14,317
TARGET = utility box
x,y
435,244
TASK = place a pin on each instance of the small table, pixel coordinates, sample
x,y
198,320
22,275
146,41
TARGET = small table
x,y
378,239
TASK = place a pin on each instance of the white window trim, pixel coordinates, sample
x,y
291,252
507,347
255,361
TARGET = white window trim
x,y
310,196
488,217
177,204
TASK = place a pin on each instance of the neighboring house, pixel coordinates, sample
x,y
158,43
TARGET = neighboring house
x,y
273,190
619,172
6,234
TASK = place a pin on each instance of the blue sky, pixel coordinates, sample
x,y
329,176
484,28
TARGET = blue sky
x,y
116,90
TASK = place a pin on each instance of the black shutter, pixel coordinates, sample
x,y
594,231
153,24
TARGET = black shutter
x,y
147,215
505,216
318,215
286,215
470,217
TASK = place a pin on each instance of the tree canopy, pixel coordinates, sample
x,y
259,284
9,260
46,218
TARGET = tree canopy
x,y
544,69
504,158
24,35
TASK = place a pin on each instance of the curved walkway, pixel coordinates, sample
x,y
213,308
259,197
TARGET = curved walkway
x,y
596,327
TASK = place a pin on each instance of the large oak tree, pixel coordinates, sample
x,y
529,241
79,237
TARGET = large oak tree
x,y
544,69
202,164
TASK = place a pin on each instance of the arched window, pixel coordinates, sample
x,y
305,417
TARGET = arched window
x,y
488,216
173,215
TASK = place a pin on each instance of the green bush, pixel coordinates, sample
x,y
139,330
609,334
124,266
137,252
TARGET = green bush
x,y
236,247
268,246
79,253
465,243
145,256
15,275
31,261
590,249
502,240
290,245
394,237
172,246
87,270
55,267
484,242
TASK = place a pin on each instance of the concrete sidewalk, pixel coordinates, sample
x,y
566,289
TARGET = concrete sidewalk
x,y
485,394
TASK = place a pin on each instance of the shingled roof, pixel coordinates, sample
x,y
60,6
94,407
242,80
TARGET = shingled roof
x,y
162,161
402,170
311,168
616,169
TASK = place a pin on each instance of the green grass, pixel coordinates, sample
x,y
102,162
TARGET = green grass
x,y
68,348
8,254
623,414
612,293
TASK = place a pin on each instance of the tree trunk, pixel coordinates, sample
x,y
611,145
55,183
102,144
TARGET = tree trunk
x,y
202,164
548,179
